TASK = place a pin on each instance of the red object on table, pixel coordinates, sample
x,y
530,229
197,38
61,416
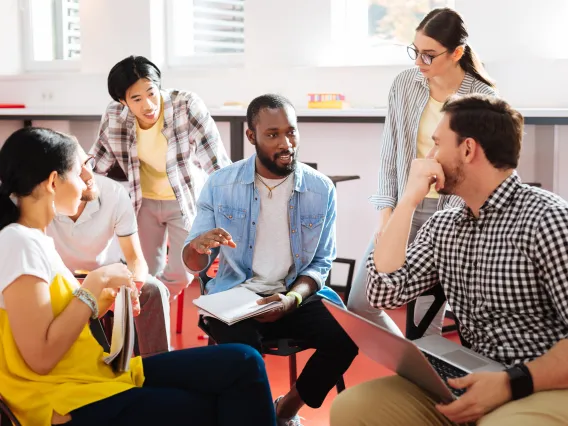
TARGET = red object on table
x,y
12,106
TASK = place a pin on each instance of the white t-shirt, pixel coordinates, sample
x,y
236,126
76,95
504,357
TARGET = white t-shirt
x,y
272,257
91,242
27,251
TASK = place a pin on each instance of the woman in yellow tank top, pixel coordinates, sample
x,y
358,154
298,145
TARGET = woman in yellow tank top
x,y
51,367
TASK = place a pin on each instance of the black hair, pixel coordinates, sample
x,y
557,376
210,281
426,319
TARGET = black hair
x,y
492,123
446,26
27,158
270,101
127,72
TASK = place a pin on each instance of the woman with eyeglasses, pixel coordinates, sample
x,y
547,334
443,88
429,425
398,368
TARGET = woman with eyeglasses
x,y
445,65
52,370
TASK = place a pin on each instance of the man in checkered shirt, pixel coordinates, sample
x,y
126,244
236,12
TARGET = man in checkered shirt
x,y
502,260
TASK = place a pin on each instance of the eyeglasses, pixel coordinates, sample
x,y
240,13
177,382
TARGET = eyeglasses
x,y
89,163
427,59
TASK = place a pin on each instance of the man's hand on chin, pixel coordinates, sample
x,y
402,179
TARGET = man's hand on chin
x,y
286,305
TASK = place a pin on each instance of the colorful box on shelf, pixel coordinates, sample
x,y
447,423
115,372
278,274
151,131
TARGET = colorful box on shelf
x,y
327,101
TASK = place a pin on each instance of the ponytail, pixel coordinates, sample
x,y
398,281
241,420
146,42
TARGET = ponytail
x,y
9,211
471,64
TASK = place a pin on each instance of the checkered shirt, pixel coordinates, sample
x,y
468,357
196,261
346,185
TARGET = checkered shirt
x,y
505,274
194,150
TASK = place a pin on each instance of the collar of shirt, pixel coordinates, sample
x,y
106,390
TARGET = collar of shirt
x,y
90,209
465,86
250,170
498,201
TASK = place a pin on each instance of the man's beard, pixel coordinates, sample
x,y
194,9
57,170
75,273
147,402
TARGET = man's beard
x,y
270,163
89,196
453,178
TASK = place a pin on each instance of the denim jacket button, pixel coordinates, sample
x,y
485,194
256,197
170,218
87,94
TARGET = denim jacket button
x,y
297,255
310,225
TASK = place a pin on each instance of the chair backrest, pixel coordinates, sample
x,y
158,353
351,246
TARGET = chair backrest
x,y
312,165
6,416
203,277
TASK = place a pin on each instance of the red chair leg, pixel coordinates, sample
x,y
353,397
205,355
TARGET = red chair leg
x,y
293,369
179,322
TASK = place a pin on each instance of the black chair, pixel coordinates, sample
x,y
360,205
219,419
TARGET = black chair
x,y
417,331
278,347
413,331
7,418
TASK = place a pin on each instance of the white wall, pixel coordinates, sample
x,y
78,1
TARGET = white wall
x,y
522,43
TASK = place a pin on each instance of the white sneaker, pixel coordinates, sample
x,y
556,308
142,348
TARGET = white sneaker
x,y
293,421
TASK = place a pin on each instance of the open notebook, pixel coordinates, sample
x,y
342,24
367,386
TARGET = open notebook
x,y
122,343
233,305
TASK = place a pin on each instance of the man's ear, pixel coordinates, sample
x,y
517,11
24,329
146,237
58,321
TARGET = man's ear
x,y
251,136
469,147
123,102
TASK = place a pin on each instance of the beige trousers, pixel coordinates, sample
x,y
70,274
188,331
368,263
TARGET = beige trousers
x,y
394,401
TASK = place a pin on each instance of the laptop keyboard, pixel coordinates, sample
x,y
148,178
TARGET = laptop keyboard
x,y
446,371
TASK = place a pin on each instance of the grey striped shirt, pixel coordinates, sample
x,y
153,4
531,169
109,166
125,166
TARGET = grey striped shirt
x,y
408,97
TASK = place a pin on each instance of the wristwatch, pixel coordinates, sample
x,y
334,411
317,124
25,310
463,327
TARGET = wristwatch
x,y
521,381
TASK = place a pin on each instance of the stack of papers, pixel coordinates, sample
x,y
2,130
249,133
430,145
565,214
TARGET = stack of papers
x,y
122,343
233,305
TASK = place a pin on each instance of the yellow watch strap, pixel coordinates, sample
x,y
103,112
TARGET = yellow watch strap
x,y
297,296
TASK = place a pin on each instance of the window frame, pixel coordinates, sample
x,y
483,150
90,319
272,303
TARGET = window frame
x,y
177,62
28,62
367,53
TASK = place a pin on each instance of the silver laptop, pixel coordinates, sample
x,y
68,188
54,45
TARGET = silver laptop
x,y
427,362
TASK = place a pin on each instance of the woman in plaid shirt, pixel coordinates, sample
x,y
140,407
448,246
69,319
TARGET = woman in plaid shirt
x,y
166,143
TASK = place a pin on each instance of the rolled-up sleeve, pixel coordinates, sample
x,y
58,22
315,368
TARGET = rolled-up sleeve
x,y
417,274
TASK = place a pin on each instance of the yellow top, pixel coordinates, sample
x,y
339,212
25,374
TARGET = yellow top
x,y
152,149
430,118
80,378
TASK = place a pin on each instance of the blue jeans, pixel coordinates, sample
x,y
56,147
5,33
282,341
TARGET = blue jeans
x,y
216,385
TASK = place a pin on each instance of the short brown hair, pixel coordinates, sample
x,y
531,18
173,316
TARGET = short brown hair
x,y
491,122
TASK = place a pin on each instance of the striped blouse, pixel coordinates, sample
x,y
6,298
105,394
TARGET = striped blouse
x,y
408,97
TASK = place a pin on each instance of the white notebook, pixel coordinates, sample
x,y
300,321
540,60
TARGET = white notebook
x,y
122,342
233,305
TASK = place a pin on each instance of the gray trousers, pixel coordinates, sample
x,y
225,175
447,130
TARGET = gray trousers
x,y
153,323
358,302
159,223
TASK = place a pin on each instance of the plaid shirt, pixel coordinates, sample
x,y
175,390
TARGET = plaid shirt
x,y
194,151
505,274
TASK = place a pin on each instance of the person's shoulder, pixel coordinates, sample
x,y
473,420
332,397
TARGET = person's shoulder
x,y
14,237
406,77
315,178
539,201
114,110
112,195
228,174
478,86
109,188
182,97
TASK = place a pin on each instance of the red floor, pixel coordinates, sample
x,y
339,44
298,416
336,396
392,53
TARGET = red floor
x,y
362,369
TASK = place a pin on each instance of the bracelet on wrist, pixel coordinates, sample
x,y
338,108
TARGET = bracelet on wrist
x,y
88,299
296,296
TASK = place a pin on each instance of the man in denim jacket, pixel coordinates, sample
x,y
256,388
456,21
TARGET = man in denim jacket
x,y
274,221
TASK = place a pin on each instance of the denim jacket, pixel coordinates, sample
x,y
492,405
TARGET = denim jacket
x,y
230,200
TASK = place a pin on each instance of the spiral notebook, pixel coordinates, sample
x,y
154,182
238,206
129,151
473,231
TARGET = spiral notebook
x,y
122,342
233,305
